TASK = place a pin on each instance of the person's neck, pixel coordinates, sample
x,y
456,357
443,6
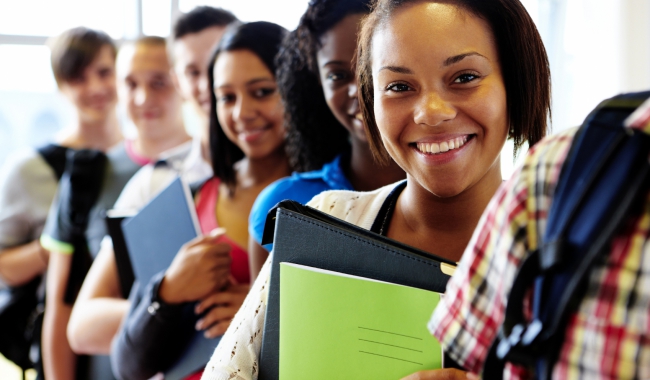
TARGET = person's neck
x,y
152,148
444,226
99,135
365,173
262,171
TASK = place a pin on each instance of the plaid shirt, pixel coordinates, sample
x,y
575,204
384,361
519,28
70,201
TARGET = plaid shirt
x,y
608,336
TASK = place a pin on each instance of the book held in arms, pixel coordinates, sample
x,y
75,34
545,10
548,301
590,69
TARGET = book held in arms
x,y
305,236
337,326
153,238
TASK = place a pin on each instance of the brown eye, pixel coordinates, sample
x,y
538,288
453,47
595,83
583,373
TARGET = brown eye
x,y
227,98
263,92
337,76
466,78
397,87
105,73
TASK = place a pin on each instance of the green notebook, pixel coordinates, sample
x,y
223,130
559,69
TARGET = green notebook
x,y
337,326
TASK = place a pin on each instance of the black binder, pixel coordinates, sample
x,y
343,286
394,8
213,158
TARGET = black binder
x,y
122,259
306,236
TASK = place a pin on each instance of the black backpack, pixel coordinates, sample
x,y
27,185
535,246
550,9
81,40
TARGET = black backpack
x,y
604,180
22,307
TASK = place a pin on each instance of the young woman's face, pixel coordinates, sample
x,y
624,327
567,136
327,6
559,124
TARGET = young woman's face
x,y
249,108
337,76
94,93
153,103
440,100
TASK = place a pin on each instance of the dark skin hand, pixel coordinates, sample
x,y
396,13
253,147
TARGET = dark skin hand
x,y
200,268
222,307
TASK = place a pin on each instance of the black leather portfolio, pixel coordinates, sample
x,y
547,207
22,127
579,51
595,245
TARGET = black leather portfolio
x,y
122,258
303,235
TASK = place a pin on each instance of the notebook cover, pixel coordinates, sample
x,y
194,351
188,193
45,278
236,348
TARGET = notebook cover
x,y
336,245
337,326
156,233
153,238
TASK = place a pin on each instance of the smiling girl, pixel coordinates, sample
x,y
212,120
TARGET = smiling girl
x,y
442,85
326,143
247,151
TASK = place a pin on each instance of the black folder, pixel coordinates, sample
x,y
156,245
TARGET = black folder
x,y
306,236
122,259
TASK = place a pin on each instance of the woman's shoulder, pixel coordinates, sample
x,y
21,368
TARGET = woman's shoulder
x,y
296,187
356,207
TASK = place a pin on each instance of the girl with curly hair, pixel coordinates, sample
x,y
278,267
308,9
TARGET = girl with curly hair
x,y
326,142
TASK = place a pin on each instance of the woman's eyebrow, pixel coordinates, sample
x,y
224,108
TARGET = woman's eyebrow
x,y
250,82
457,58
257,80
335,63
397,69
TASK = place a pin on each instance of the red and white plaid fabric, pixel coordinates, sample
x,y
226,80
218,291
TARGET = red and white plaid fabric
x,y
609,335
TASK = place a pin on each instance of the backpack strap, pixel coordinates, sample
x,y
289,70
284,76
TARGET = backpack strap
x,y
55,156
594,195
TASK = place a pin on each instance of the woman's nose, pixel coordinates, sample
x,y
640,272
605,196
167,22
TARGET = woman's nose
x,y
433,109
244,110
353,90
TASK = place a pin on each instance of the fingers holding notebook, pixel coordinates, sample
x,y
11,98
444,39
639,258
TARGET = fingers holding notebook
x,y
200,268
221,308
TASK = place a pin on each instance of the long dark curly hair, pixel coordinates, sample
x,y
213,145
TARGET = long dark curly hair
x,y
314,136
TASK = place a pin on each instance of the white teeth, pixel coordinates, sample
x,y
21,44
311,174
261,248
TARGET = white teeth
x,y
443,146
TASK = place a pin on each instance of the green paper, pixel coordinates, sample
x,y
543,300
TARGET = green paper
x,y
336,326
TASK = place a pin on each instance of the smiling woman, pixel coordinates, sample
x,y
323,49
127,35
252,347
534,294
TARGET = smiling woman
x,y
248,104
442,86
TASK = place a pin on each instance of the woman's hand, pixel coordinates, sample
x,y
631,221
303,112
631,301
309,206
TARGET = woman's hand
x,y
222,307
200,268
442,374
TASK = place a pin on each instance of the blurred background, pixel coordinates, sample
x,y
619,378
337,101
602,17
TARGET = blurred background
x,y
597,48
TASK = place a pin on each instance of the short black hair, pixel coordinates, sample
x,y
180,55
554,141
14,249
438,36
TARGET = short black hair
x,y
262,39
522,56
74,50
314,135
200,18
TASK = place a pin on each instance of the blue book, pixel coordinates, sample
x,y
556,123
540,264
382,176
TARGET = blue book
x,y
155,234
153,238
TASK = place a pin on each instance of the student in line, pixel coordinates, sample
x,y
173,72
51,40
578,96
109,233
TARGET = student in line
x,y
100,307
442,85
247,149
607,336
326,143
196,35
83,64
154,106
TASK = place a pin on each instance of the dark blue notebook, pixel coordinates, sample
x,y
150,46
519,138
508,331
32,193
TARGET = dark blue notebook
x,y
155,234
153,237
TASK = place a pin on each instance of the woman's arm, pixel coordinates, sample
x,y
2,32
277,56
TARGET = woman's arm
x,y
99,309
20,264
237,355
155,332
59,361
256,257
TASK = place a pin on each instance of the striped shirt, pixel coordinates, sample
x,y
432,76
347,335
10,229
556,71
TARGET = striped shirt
x,y
609,334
